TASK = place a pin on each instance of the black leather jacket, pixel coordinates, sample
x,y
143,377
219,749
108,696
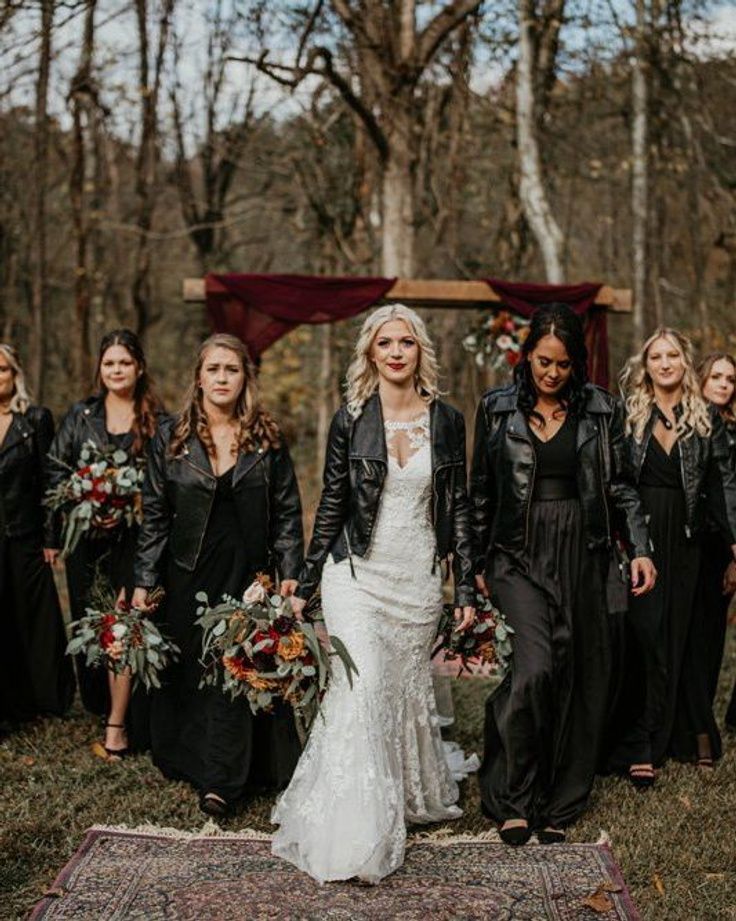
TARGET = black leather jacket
x,y
707,475
178,493
355,469
84,421
23,475
502,476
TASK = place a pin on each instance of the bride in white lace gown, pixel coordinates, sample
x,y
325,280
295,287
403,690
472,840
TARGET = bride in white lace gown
x,y
376,761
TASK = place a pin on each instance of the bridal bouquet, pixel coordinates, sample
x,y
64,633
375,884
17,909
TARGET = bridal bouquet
x,y
102,493
486,643
257,648
122,638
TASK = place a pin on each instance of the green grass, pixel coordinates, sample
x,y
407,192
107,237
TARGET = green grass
x,y
676,844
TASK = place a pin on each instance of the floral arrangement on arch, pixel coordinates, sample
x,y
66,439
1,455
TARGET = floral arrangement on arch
x,y
498,340
255,647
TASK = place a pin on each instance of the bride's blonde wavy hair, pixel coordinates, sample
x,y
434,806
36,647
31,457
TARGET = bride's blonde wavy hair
x,y
21,399
256,427
362,378
638,391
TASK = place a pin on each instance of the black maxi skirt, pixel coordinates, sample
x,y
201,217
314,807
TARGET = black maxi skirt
x,y
544,723
199,734
36,677
657,627
695,732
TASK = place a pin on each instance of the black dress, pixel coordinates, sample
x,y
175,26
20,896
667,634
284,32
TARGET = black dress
x,y
199,734
543,724
108,558
696,731
36,677
658,622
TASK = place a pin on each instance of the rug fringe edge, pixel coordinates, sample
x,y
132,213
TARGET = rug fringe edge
x,y
210,829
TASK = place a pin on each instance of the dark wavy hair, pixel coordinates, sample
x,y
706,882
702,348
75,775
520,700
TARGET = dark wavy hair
x,y
146,403
560,321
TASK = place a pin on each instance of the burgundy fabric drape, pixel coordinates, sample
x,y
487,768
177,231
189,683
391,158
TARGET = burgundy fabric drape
x,y
525,298
260,309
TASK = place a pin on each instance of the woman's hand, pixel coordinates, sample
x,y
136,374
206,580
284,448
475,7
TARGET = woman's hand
x,y
643,575
139,601
729,579
482,586
288,587
107,523
50,555
120,600
464,618
297,606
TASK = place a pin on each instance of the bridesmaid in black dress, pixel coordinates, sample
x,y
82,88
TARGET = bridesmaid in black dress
x,y
125,413
221,504
679,453
36,677
548,472
695,735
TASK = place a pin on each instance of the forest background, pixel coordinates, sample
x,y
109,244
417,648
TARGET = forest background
x,y
144,141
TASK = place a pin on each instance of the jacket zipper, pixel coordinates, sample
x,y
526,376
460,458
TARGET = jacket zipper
x,y
603,491
688,532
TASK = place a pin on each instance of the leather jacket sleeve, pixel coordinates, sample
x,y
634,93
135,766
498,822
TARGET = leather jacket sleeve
x,y
154,530
44,426
720,481
333,506
463,562
482,492
60,461
287,535
622,487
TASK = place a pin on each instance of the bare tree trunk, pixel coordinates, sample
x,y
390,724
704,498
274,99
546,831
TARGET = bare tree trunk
x,y
148,156
532,192
82,101
397,228
39,283
639,172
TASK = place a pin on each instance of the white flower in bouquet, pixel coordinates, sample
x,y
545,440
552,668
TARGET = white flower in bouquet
x,y
254,594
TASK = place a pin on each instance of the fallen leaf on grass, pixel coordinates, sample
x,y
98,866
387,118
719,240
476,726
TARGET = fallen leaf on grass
x,y
611,887
98,749
686,802
28,761
657,883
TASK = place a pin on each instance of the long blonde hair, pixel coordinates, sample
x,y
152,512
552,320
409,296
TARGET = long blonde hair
x,y
705,367
21,397
257,428
362,377
638,391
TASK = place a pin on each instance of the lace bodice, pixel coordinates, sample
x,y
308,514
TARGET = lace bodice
x,y
404,439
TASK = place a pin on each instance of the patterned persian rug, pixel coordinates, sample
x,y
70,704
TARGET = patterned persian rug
x,y
157,875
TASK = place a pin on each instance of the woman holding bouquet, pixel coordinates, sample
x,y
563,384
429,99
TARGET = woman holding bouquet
x,y
35,675
124,414
548,471
221,504
393,507
681,462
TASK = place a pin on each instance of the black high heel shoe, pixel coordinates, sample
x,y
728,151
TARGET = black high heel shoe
x,y
641,776
110,754
551,835
516,835
214,805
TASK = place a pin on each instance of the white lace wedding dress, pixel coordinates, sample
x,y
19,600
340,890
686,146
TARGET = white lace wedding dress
x,y
377,760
